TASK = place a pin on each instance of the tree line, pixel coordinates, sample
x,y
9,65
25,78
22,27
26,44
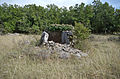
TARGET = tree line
x,y
98,17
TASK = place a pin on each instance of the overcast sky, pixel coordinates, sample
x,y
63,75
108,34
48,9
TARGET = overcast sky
x,y
60,3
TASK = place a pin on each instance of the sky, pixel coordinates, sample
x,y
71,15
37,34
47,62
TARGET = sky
x,y
60,3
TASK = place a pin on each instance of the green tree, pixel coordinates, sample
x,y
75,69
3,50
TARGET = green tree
x,y
102,21
53,14
99,17
116,21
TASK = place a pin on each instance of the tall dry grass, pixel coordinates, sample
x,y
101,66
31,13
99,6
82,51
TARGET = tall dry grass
x,y
18,60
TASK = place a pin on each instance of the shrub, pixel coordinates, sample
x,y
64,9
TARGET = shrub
x,y
59,28
81,32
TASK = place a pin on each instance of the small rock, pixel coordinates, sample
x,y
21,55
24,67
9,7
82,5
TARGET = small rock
x,y
64,55
71,51
64,51
13,34
44,54
83,54
16,34
51,43
78,55
27,42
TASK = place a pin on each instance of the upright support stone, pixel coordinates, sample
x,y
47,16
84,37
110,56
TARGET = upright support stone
x,y
65,37
44,38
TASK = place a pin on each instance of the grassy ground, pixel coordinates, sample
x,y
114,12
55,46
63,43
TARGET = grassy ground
x,y
18,60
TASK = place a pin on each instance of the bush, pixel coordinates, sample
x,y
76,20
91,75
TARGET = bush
x,y
58,27
81,32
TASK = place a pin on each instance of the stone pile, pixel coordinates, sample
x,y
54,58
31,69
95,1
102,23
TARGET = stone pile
x,y
64,51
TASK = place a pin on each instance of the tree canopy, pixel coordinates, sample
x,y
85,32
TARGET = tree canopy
x,y
99,17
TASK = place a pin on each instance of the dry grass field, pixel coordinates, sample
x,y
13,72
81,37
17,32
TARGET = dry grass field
x,y
18,60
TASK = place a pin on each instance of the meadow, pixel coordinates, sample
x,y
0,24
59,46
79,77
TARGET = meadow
x,y
18,59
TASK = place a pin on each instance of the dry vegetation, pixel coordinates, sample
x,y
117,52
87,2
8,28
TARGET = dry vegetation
x,y
18,60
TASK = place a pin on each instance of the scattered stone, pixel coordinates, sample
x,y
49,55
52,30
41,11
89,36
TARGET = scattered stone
x,y
13,34
78,55
51,43
114,39
16,34
43,54
64,55
64,51
83,54
27,42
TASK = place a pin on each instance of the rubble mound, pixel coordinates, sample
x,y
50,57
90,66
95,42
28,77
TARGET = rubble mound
x,y
64,50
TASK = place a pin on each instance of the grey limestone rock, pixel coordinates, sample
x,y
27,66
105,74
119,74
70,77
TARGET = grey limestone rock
x,y
78,55
64,55
64,51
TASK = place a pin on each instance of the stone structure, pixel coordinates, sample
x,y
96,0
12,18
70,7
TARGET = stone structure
x,y
44,38
59,42
60,37
55,36
64,51
66,37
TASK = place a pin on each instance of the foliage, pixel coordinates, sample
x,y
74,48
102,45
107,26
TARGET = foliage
x,y
103,19
59,28
2,29
80,31
99,17
117,21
